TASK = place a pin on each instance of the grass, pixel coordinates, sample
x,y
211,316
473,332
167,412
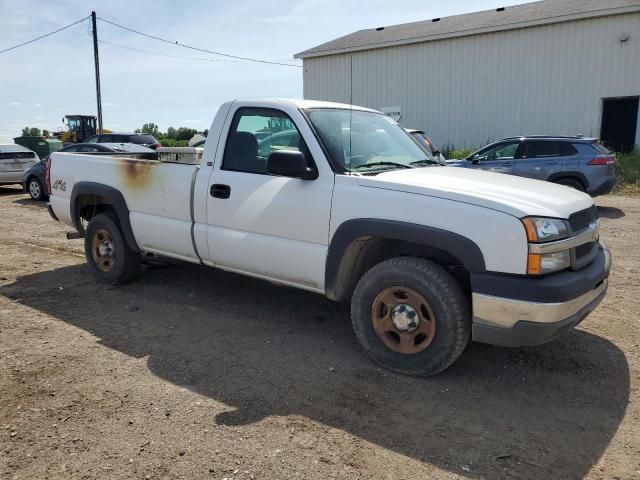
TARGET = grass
x,y
627,170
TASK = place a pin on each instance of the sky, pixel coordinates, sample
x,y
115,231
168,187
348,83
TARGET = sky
x,y
43,81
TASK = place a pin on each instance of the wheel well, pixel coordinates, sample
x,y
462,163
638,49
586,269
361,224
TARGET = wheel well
x,y
89,205
365,252
575,178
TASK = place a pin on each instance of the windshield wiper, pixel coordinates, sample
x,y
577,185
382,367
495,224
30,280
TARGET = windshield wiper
x,y
426,161
379,164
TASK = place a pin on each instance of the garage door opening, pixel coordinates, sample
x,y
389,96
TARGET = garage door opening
x,y
619,123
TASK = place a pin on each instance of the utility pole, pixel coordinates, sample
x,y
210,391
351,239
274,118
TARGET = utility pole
x,y
97,64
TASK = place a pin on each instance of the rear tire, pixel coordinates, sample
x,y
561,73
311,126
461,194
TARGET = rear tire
x,y
35,189
109,257
411,316
571,182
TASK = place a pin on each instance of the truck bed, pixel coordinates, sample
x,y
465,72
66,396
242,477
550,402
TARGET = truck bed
x,y
158,195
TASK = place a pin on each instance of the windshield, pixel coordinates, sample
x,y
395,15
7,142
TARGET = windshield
x,y
360,141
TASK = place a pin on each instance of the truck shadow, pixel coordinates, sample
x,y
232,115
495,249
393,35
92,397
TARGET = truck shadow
x,y
610,212
546,412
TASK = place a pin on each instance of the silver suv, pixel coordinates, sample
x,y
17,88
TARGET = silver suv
x,y
578,162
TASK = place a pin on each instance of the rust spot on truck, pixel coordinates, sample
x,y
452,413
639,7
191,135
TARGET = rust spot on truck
x,y
136,173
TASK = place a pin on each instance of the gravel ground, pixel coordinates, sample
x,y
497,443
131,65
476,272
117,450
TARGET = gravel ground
x,y
194,373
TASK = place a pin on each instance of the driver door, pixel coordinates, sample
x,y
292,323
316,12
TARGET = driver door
x,y
269,226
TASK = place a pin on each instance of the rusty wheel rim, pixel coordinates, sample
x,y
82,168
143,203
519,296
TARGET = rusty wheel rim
x,y
403,320
103,249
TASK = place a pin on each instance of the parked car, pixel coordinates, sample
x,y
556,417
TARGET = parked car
x,y
426,143
14,160
33,179
577,162
143,139
428,256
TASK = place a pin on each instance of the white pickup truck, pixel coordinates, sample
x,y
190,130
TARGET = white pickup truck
x,y
339,200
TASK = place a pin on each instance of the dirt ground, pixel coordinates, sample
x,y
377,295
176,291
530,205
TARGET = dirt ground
x,y
194,373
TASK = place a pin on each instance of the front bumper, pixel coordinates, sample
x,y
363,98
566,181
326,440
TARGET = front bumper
x,y
532,311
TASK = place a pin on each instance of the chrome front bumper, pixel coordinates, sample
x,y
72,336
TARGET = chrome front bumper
x,y
515,322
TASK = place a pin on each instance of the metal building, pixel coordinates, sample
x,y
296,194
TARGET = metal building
x,y
549,67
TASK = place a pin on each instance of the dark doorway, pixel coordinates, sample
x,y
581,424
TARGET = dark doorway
x,y
619,122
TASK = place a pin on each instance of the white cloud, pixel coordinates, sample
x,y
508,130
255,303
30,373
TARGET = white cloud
x,y
37,104
109,104
39,118
192,121
14,104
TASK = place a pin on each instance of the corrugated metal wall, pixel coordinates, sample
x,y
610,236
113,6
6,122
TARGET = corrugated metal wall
x,y
467,91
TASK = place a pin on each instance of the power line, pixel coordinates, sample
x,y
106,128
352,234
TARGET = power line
x,y
163,54
199,49
44,36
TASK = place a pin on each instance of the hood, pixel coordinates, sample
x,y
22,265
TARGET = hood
x,y
510,194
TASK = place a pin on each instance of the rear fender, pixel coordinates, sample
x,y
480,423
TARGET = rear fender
x,y
102,195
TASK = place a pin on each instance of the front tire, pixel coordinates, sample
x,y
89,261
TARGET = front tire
x,y
36,189
109,257
411,316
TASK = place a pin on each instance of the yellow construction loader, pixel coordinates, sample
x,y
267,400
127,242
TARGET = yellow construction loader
x,y
79,128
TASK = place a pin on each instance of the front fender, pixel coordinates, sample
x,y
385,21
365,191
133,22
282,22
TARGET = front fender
x,y
457,246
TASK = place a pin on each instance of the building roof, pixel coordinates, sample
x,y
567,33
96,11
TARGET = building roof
x,y
508,18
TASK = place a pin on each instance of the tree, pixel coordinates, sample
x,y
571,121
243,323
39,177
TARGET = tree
x,y
151,129
206,132
31,132
171,133
185,133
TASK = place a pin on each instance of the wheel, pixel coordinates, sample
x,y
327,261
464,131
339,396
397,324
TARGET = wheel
x,y
35,189
570,182
110,258
411,316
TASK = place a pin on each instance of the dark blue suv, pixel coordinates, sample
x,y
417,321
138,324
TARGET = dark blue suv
x,y
578,162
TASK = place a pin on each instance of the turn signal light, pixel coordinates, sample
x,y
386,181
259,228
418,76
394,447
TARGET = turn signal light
x,y
533,264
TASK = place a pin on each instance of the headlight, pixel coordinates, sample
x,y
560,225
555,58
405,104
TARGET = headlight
x,y
545,229
543,263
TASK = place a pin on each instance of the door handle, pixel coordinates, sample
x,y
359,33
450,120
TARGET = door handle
x,y
220,191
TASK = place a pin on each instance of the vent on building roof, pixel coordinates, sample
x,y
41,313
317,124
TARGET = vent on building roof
x,y
500,9
379,29
435,20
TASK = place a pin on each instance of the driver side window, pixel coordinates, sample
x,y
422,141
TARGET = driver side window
x,y
255,133
503,151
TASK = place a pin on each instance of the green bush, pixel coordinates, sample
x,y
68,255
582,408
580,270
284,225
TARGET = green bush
x,y
170,142
453,153
457,153
627,167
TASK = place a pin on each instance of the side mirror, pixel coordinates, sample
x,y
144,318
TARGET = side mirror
x,y
289,163
475,159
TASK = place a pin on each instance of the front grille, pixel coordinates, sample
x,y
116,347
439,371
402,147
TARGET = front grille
x,y
580,220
